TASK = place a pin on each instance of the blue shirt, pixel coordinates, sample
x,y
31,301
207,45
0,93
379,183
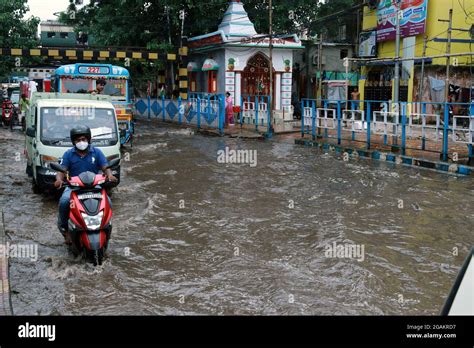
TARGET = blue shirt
x,y
93,161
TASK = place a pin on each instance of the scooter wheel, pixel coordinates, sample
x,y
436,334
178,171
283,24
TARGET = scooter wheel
x,y
74,249
96,256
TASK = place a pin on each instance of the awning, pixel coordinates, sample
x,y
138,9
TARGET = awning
x,y
210,64
192,67
392,63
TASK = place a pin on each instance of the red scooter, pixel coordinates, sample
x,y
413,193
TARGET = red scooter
x,y
8,112
90,214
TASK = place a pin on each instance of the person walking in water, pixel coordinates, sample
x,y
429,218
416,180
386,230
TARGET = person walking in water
x,y
229,110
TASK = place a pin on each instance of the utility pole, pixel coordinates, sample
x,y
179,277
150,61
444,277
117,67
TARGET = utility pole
x,y
396,92
346,65
396,86
270,48
448,52
308,80
167,12
182,14
320,67
422,78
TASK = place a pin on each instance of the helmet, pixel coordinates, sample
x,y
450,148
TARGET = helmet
x,y
80,130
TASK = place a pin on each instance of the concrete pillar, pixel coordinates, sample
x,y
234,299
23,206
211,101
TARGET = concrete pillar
x,y
278,91
238,88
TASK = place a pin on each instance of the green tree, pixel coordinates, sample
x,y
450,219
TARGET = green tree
x,y
332,15
15,32
153,24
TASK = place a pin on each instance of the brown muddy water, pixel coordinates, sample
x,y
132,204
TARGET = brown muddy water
x,y
194,236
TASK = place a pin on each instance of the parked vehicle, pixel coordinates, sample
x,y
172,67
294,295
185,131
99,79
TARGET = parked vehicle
x,y
8,113
49,121
19,120
90,215
460,300
15,98
83,77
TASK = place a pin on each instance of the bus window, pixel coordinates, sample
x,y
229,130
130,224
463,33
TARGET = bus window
x,y
116,88
76,86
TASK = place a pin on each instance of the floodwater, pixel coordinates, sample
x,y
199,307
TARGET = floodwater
x,y
194,236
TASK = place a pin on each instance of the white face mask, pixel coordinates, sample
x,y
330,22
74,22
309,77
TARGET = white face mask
x,y
82,145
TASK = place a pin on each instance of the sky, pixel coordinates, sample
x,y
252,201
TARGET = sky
x,y
45,9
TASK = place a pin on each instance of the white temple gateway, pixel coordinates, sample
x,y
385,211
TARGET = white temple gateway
x,y
235,59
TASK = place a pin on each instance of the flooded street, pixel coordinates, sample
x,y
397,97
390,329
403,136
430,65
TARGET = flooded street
x,y
194,236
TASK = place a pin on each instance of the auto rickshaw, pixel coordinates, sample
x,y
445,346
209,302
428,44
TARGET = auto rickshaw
x,y
126,128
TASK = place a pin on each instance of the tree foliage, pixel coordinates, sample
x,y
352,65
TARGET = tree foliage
x,y
158,24
15,32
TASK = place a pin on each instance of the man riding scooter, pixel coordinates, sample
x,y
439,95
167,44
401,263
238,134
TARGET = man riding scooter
x,y
81,158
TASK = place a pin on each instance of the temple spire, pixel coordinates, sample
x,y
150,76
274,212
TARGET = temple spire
x,y
236,21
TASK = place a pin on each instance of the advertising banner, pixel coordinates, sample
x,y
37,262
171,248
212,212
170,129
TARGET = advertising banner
x,y
368,44
413,21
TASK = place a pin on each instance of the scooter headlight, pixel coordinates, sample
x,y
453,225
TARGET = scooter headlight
x,y
93,222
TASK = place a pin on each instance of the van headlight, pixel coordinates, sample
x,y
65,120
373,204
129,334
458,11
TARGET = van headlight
x,y
93,222
46,160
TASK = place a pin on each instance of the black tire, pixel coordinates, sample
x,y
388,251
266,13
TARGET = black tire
x,y
75,246
98,257
36,188
29,171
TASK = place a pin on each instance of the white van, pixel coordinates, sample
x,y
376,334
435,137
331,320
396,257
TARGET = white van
x,y
48,123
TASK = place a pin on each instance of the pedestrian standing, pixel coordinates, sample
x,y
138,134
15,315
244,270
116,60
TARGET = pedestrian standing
x,y
355,96
229,110
24,107
162,92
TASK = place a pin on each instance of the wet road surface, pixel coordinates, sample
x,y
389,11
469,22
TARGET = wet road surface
x,y
194,236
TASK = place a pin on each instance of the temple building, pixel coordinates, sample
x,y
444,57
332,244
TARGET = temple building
x,y
235,59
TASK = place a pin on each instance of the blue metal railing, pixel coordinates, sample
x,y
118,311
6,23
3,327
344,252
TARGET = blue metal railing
x,y
203,110
415,125
255,111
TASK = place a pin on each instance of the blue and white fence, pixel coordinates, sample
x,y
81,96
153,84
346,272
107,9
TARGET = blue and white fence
x,y
200,110
426,126
255,112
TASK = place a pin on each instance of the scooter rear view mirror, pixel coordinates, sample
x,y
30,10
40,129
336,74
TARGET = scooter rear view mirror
x,y
58,167
113,163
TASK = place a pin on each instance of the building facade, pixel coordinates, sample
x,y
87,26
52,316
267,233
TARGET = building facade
x,y
306,69
235,59
421,18
56,34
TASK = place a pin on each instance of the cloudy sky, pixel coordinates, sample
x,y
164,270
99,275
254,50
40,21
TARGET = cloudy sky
x,y
45,9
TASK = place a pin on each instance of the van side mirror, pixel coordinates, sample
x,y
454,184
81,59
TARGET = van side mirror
x,y
31,132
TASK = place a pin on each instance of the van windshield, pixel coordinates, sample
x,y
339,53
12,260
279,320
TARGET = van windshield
x,y
56,123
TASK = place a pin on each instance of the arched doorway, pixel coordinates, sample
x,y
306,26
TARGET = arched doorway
x,y
256,76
